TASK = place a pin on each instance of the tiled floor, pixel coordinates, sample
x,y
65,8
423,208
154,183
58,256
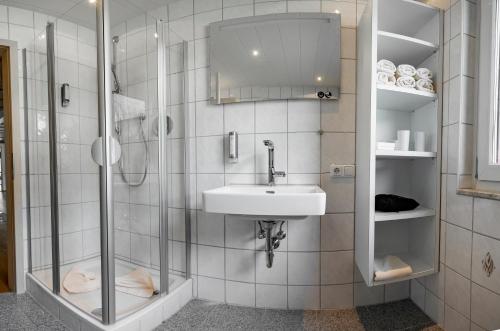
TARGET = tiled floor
x,y
201,315
20,312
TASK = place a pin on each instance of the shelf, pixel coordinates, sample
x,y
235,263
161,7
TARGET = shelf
x,y
402,215
404,16
402,49
402,99
419,267
392,154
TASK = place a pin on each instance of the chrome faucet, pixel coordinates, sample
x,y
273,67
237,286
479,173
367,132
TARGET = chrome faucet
x,y
271,173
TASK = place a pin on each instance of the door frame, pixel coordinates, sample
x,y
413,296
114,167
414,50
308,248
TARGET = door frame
x,y
12,120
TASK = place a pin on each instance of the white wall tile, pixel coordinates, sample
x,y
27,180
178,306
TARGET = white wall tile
x,y
483,245
240,293
303,268
271,116
271,296
303,115
458,249
211,261
209,119
240,233
457,292
303,152
454,320
210,154
303,235
211,289
210,229
337,232
303,297
239,117
337,296
274,7
337,267
484,307
276,275
240,265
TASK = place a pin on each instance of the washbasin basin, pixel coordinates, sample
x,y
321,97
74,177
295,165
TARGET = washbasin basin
x,y
270,202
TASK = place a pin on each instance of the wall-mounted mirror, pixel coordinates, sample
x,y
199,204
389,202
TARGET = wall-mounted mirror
x,y
281,56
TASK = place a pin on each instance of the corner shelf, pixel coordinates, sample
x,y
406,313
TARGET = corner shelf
x,y
419,212
403,49
420,268
402,99
410,155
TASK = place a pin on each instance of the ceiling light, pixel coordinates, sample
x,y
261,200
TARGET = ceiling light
x,y
319,78
42,36
336,11
255,52
92,1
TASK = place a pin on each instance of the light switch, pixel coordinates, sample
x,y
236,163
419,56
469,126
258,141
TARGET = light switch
x,y
349,171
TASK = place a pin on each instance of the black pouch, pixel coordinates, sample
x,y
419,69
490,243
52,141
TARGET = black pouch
x,y
394,203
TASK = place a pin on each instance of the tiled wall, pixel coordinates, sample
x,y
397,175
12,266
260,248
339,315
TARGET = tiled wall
x,y
75,48
461,296
314,266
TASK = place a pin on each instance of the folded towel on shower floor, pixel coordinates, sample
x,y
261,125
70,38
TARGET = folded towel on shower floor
x,y
386,66
138,283
406,82
390,267
405,70
385,78
79,281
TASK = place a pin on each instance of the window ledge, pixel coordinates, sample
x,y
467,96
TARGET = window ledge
x,y
479,193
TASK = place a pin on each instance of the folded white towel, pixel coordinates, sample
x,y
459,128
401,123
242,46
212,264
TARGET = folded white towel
x,y
390,267
405,70
385,78
386,66
406,82
80,281
126,108
138,283
423,73
425,85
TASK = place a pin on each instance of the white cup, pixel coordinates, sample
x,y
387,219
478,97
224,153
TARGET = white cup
x,y
419,141
403,142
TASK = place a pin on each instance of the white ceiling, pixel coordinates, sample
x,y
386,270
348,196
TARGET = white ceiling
x,y
82,12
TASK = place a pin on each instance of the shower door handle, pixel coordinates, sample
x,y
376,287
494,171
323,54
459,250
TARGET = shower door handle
x,y
96,150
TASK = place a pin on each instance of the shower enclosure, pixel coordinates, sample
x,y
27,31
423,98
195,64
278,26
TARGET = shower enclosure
x,y
106,158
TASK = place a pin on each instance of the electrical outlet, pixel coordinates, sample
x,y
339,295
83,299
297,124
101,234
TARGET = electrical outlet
x,y
336,170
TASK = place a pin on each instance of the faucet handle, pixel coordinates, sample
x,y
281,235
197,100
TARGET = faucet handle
x,y
269,143
279,174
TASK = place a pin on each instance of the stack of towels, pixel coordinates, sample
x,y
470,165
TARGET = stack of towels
x,y
404,75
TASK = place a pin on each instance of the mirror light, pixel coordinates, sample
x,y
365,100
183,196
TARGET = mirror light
x,y
255,52
319,78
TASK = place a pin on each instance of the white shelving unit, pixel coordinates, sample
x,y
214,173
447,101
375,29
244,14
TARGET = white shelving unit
x,y
413,236
419,212
389,154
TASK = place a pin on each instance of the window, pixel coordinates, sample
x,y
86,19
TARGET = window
x,y
488,148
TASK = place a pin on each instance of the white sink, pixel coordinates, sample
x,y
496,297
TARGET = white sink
x,y
269,202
